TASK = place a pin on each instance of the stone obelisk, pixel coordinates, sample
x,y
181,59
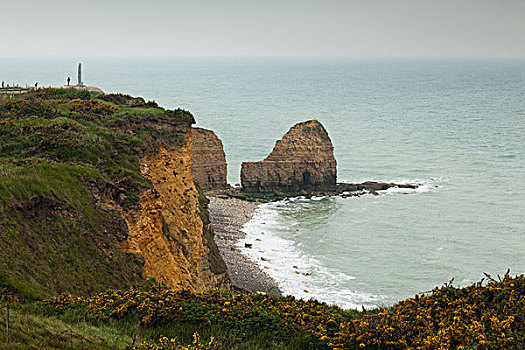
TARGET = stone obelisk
x,y
80,83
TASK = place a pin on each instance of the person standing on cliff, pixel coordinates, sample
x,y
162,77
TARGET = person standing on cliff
x,y
68,80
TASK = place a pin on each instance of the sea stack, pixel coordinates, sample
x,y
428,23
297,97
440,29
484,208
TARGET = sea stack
x,y
302,161
209,167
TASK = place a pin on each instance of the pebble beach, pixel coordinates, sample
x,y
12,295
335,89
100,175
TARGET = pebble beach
x,y
227,218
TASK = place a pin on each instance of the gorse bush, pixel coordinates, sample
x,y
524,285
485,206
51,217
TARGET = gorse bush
x,y
165,343
475,317
122,99
118,99
481,316
60,94
27,108
6,296
180,115
283,318
93,107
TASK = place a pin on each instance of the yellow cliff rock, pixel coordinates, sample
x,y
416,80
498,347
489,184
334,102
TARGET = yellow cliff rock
x,y
165,228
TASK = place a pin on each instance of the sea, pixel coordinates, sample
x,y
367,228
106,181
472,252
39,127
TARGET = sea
x,y
456,127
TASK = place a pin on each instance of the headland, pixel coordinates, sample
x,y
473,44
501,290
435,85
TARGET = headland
x,y
103,222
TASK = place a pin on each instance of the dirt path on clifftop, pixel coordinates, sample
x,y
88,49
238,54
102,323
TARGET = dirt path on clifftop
x,y
227,217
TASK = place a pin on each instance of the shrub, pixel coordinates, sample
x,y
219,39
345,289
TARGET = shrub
x,y
480,316
165,343
246,314
475,317
60,94
180,115
118,99
122,99
93,107
27,108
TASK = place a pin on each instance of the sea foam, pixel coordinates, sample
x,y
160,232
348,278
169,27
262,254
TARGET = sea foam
x,y
271,234
296,273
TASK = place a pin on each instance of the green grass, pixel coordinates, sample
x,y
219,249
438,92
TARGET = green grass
x,y
34,326
34,178
66,140
32,329
57,94
50,250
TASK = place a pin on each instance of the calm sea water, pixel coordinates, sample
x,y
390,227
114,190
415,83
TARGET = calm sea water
x,y
455,126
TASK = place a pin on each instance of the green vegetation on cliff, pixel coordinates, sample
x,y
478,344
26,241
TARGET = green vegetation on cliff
x,y
53,239
61,150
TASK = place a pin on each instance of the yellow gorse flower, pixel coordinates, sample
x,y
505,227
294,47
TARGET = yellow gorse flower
x,y
488,316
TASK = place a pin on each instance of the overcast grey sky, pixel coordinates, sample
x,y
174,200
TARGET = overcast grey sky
x,y
490,28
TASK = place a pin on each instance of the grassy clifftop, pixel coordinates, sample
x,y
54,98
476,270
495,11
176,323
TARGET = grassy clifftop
x,y
60,151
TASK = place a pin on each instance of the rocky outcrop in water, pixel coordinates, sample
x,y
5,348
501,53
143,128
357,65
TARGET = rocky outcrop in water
x,y
368,187
208,168
302,161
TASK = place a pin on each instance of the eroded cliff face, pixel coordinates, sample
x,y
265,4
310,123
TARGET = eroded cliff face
x,y
166,227
209,168
303,160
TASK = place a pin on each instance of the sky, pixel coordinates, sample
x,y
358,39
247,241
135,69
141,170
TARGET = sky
x,y
401,28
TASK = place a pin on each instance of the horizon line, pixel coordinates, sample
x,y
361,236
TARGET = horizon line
x,y
262,56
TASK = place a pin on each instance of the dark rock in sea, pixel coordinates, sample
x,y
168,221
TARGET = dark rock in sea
x,y
344,190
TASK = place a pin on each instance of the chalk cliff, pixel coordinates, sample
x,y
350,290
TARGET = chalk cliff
x,y
208,168
303,160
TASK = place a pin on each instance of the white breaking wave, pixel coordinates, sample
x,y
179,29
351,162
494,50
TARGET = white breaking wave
x,y
297,274
423,186
274,251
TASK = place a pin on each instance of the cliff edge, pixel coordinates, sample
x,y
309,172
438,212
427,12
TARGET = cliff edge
x,y
209,167
303,160
97,192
